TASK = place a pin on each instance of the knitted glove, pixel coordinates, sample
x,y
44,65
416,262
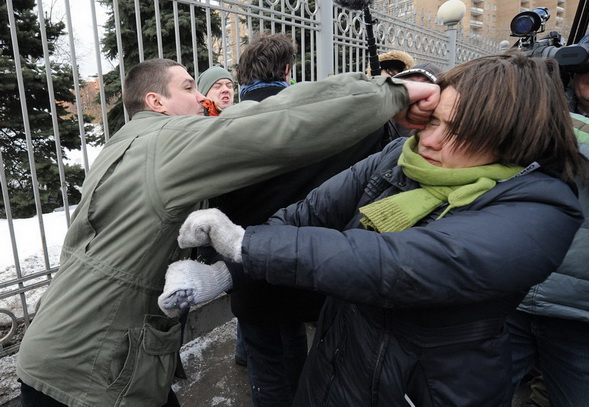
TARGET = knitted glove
x,y
189,282
212,227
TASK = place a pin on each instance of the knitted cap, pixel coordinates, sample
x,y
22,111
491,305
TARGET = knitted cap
x,y
207,79
429,70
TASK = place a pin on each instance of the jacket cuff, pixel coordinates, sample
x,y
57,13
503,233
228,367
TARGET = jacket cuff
x,y
238,275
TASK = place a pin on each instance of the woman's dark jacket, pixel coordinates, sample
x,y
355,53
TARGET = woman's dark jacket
x,y
253,205
418,312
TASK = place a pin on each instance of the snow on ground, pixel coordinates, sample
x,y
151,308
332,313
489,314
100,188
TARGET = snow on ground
x,y
30,253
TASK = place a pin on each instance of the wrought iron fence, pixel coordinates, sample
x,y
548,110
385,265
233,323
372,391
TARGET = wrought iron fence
x,y
331,40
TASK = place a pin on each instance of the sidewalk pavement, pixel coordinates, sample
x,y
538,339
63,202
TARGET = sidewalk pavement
x,y
214,379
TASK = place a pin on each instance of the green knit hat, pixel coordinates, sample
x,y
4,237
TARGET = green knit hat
x,y
207,79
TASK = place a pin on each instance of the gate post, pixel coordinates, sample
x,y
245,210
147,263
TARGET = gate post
x,y
325,39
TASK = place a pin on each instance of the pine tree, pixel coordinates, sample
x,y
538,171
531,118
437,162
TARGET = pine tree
x,y
128,32
13,138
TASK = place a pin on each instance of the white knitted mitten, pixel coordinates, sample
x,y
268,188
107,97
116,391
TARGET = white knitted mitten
x,y
189,282
212,227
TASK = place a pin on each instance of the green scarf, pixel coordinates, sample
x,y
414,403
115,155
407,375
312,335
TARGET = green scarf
x,y
456,186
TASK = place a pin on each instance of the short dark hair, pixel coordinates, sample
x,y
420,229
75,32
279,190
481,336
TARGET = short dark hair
x,y
265,58
147,76
514,106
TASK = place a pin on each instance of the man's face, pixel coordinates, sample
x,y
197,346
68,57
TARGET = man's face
x,y
581,83
440,152
222,93
183,97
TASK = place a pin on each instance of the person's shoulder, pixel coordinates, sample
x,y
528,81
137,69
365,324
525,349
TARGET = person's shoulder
x,y
581,127
262,93
395,146
535,186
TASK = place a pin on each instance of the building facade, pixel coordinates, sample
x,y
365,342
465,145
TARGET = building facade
x,y
491,19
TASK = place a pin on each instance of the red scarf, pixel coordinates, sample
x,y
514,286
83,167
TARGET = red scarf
x,y
211,108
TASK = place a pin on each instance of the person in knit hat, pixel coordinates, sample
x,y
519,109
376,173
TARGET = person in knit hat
x,y
393,62
216,83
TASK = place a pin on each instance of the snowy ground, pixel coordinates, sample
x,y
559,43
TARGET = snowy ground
x,y
30,253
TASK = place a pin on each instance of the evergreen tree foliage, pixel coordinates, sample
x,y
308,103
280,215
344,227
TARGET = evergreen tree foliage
x,y
13,143
130,52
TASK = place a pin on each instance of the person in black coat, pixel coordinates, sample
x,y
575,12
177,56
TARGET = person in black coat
x,y
271,320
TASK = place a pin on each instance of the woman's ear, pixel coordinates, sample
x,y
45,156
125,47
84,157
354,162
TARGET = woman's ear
x,y
287,73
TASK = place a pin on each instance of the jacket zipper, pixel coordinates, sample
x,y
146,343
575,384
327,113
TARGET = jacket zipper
x,y
380,359
332,378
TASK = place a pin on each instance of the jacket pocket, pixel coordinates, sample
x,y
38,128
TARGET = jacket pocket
x,y
148,371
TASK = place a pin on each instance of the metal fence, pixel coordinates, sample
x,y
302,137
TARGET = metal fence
x,y
331,40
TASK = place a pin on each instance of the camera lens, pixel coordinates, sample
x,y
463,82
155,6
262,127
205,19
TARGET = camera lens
x,y
523,25
543,13
529,22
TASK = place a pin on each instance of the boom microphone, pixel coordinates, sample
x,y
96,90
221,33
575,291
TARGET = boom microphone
x,y
363,5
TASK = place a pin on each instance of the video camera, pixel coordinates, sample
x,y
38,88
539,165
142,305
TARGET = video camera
x,y
527,25
574,58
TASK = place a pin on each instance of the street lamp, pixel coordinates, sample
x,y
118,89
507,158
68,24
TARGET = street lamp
x,y
450,14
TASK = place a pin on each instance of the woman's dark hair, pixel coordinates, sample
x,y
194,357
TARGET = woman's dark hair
x,y
514,106
148,76
265,58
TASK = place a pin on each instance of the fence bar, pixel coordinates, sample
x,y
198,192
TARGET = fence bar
x,y
158,29
325,40
52,104
79,103
99,72
117,17
27,127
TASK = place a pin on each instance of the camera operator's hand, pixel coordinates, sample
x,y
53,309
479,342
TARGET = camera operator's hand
x,y
423,99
